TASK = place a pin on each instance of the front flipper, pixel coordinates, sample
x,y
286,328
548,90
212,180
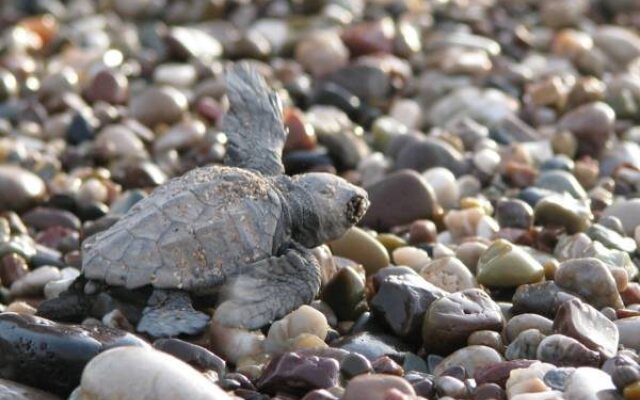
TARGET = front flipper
x,y
170,313
253,123
270,289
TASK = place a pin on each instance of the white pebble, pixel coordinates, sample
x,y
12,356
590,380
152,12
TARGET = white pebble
x,y
232,344
487,161
410,256
444,186
33,282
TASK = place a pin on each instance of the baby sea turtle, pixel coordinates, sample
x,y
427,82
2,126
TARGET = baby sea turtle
x,y
245,227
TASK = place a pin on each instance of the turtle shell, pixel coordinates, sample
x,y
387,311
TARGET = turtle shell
x,y
190,233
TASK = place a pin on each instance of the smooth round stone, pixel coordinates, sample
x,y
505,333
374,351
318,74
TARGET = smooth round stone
x,y
450,386
565,351
109,86
34,282
301,135
321,53
557,378
357,245
628,329
471,358
51,356
294,373
305,320
469,253
514,213
408,112
42,218
486,338
15,391
506,265
158,105
173,74
401,301
589,384
426,153
181,136
119,141
450,320
118,374
522,322
561,182
587,325
344,293
622,45
564,211
591,279
20,307
354,364
12,268
612,239
524,346
410,256
19,188
443,183
592,125
628,211
232,344
376,387
487,161
489,391
400,198
369,37
542,298
467,222
448,273
196,356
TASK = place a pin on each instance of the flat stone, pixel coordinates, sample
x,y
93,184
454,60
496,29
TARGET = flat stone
x,y
448,273
589,326
129,373
426,153
565,351
589,384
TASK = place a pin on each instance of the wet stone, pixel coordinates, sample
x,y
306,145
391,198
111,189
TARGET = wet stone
x,y
540,298
344,293
49,356
294,373
525,345
355,364
506,265
194,355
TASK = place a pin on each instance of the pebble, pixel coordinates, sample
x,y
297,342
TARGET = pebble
x,y
424,153
291,372
344,293
116,374
372,345
522,322
506,265
565,351
588,383
304,320
402,301
19,189
626,211
561,182
451,319
51,356
34,282
525,345
322,53
514,213
17,391
542,298
109,86
590,327
158,105
400,198
377,387
449,274
197,356
119,141
563,211
486,338
358,245
443,183
591,279
471,358
410,256
628,328
592,124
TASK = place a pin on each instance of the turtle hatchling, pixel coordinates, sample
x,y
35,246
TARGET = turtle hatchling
x,y
245,228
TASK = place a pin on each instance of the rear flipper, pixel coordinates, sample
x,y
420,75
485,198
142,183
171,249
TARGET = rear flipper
x,y
270,289
170,313
72,306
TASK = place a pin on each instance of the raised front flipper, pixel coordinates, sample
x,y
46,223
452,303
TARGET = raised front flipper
x,y
253,123
270,289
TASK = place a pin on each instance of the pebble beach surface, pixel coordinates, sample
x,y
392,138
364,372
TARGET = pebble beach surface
x,y
498,142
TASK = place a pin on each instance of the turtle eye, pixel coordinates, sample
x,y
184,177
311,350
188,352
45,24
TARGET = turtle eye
x,y
356,208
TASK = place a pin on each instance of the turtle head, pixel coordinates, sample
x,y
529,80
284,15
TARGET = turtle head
x,y
325,207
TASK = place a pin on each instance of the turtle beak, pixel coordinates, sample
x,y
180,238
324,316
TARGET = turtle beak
x,y
356,208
